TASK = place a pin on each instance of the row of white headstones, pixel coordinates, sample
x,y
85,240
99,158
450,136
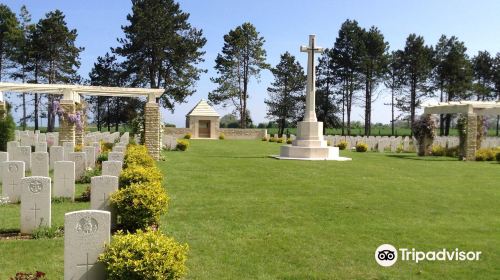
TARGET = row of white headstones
x,y
86,231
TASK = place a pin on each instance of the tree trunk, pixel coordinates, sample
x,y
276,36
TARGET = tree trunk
x,y
447,125
35,114
413,101
109,115
498,121
98,114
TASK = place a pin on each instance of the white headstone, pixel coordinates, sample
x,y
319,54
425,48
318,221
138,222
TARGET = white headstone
x,y
97,147
35,203
102,187
42,137
80,163
4,156
56,154
64,179
12,149
40,164
112,168
69,147
120,149
86,233
41,147
116,156
12,173
23,153
90,154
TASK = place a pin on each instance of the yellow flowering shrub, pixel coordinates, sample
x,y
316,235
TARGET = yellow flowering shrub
x,y
140,205
145,255
182,145
138,155
139,174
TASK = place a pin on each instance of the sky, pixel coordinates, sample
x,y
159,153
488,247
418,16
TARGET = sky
x,y
285,25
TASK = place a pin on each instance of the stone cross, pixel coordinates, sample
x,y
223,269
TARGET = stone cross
x,y
12,173
310,113
35,203
64,179
86,233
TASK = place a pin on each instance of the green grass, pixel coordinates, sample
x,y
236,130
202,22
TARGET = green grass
x,y
247,216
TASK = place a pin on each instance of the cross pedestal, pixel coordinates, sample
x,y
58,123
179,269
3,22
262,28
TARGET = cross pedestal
x,y
309,144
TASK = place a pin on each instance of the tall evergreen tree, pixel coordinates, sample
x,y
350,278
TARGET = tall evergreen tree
x,y
9,36
418,64
394,82
482,65
496,84
327,94
242,58
162,50
346,57
373,67
286,94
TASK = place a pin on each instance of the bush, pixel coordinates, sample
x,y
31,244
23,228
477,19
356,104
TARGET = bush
x,y
289,141
144,255
280,140
7,128
452,151
85,197
498,156
140,205
182,145
438,151
78,148
265,138
106,147
361,147
342,145
139,174
485,154
222,136
89,173
272,139
187,136
28,276
138,155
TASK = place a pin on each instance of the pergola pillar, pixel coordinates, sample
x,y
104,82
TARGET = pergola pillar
x,y
3,107
79,137
470,144
67,128
152,128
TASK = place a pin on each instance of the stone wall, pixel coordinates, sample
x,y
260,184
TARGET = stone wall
x,y
229,133
66,128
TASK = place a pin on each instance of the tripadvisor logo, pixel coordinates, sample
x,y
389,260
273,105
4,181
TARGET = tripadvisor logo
x,y
387,255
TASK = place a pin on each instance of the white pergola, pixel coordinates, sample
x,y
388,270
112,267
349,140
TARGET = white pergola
x,y
472,109
71,95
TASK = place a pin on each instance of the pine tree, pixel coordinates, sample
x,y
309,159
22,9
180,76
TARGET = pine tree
x,y
162,49
286,94
327,95
482,65
9,36
242,58
394,82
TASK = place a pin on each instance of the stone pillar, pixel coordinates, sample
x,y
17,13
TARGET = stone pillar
x,y
471,138
79,137
66,128
152,129
3,110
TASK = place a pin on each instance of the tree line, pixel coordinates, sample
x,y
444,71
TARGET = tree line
x,y
160,49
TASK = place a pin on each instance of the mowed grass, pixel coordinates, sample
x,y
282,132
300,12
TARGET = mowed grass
x,y
248,216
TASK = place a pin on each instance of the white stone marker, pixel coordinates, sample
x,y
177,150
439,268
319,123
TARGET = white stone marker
x,y
69,147
116,156
112,168
41,147
40,164
85,234
4,156
23,153
56,154
90,154
35,203
80,163
101,188
64,179
12,149
119,149
97,147
42,137
12,173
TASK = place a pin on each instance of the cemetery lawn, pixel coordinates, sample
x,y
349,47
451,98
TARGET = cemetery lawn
x,y
247,216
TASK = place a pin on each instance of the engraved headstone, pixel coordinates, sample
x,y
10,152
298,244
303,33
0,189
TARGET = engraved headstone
x,y
86,233
41,147
102,187
56,154
35,203
12,149
23,153
111,168
80,163
40,164
116,156
64,179
69,147
13,172
90,154
4,156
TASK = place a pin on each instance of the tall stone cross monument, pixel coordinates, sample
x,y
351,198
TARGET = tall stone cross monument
x,y
309,144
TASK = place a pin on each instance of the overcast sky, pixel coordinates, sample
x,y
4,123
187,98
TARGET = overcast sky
x,y
285,25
